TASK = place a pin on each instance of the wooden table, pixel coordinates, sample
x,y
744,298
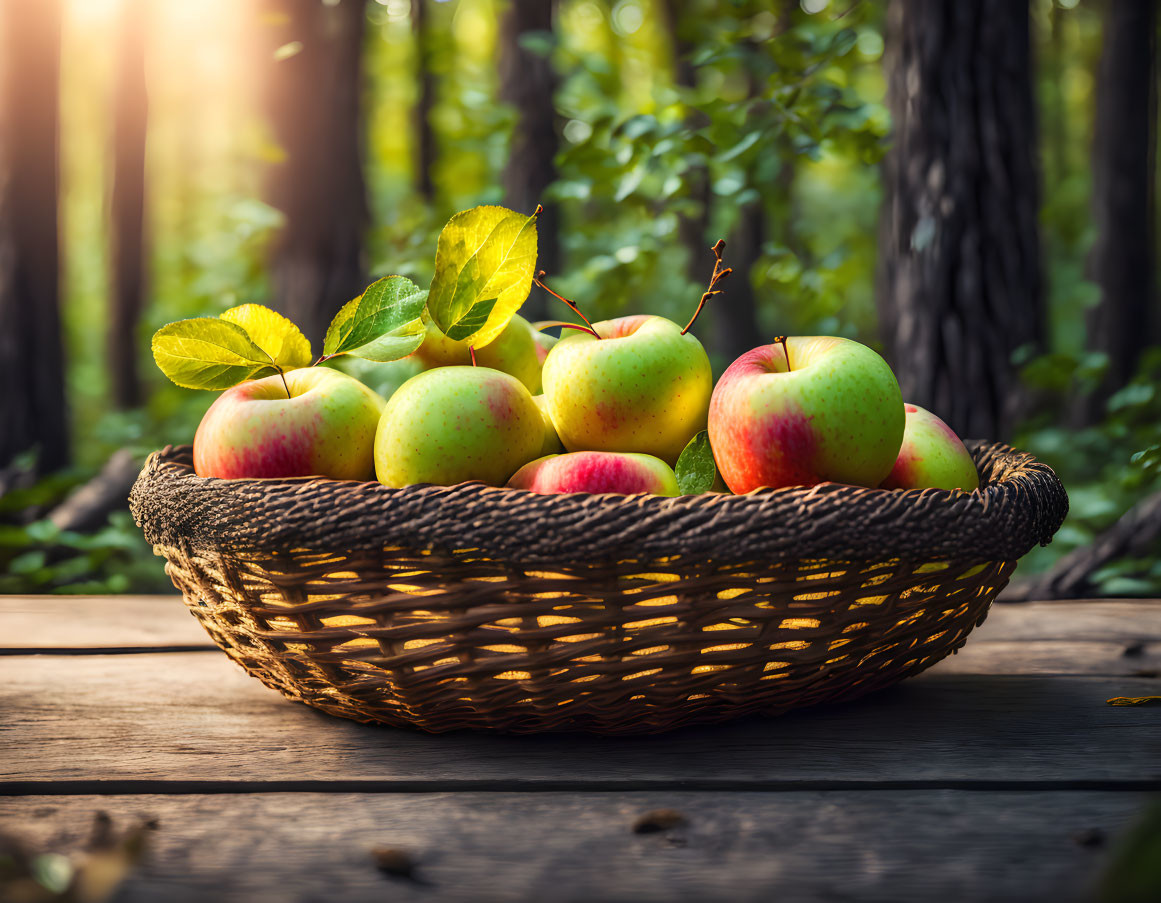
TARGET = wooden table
x,y
1001,774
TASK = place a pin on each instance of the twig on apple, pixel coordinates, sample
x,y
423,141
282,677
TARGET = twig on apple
x,y
552,324
719,274
539,280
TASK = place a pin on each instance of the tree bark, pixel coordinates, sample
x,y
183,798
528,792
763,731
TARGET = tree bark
x,y
1122,263
313,94
960,282
33,413
424,134
528,82
127,206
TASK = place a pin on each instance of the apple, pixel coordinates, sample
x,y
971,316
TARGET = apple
x,y
544,341
818,408
325,428
551,444
594,471
454,424
932,455
641,387
514,351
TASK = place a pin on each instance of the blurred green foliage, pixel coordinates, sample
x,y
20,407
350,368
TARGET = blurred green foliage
x,y
1109,465
785,108
1106,467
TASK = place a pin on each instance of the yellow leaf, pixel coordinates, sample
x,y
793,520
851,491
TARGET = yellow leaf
x,y
484,262
207,353
273,333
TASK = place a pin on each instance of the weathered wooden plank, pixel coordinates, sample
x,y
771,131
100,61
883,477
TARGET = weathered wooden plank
x,y
893,846
97,622
1111,620
187,716
984,656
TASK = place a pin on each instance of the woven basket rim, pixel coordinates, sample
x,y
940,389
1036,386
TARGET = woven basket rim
x,y
1021,503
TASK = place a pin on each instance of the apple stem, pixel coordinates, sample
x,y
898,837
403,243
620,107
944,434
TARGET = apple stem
x,y
719,274
781,340
551,324
539,280
472,352
281,375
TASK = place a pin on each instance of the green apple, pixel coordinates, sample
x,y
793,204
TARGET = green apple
x,y
454,424
514,351
326,427
818,408
641,387
551,445
594,471
932,455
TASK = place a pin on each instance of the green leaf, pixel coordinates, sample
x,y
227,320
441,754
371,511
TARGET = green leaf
x,y
485,256
474,320
695,468
207,353
382,324
273,333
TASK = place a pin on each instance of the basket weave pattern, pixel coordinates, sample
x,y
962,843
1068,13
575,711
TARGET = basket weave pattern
x,y
477,607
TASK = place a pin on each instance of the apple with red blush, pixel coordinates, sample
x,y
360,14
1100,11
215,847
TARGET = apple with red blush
x,y
455,424
313,421
805,410
544,341
597,472
635,384
931,456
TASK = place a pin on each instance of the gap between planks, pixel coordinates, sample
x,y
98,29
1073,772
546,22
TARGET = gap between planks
x,y
708,785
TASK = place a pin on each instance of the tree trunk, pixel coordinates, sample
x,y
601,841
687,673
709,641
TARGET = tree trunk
x,y
313,93
960,283
127,206
32,375
1124,151
528,83
424,134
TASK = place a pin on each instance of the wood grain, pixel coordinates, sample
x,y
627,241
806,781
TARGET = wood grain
x,y
1075,657
1087,619
98,622
196,716
896,846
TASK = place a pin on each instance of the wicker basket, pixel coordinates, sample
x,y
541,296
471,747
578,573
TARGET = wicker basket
x,y
476,607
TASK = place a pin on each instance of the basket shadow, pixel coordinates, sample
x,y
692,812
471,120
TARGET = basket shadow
x,y
953,727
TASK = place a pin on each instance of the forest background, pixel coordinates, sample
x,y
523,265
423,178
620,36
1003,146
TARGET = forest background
x,y
968,187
